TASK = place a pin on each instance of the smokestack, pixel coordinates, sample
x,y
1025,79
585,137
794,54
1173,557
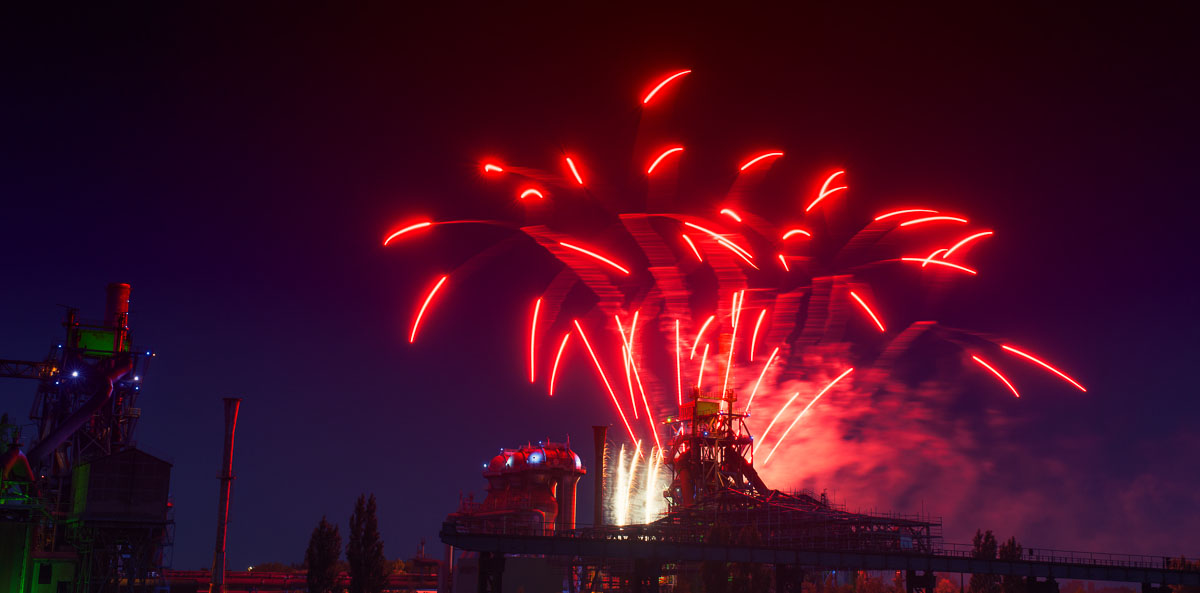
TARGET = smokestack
x,y
226,477
116,313
600,441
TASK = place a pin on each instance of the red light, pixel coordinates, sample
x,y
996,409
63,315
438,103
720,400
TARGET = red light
x,y
794,232
940,263
607,386
557,357
662,84
596,256
754,336
933,219
929,259
802,412
700,334
662,156
731,214
693,246
738,251
537,306
574,171
825,191
770,359
762,439
412,336
413,227
719,238
678,367
951,251
703,360
760,157
863,304
783,260
997,373
899,212
1046,365
490,168
531,192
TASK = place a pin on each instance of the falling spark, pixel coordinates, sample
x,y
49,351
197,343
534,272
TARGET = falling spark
x,y
997,373
760,157
637,452
951,251
531,192
802,412
719,238
574,171
866,308
754,336
940,263
600,369
763,437
490,168
688,240
731,214
652,467
412,336
929,259
737,251
557,357
825,191
662,84
412,227
760,378
908,211
703,361
699,334
794,232
627,358
1046,365
783,260
933,219
737,313
662,156
537,307
622,476
597,256
678,367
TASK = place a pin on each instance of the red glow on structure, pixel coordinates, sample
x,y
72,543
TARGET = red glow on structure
x,y
805,410
951,251
703,361
490,168
699,334
693,246
863,304
997,373
412,336
607,385
678,367
783,260
537,306
662,84
825,191
770,359
574,171
754,336
765,155
1046,365
940,263
596,256
933,219
531,192
558,357
909,211
662,156
794,232
411,227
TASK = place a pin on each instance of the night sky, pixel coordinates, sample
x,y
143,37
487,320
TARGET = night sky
x,y
239,167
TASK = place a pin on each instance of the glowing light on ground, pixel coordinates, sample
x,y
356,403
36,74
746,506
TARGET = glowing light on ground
x,y
866,308
537,307
933,219
770,359
1045,365
699,335
951,251
766,155
688,240
825,191
940,263
662,84
412,336
703,361
407,229
997,373
558,357
531,192
908,211
596,256
754,336
804,411
490,168
574,171
794,232
662,156
604,378
731,214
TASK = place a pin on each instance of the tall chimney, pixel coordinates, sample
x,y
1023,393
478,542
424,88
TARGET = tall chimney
x,y
116,313
226,477
600,440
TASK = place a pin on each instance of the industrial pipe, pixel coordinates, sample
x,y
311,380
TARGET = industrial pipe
x,y
104,388
232,404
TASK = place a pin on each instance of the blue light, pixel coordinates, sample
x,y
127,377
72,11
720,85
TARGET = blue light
x,y
535,457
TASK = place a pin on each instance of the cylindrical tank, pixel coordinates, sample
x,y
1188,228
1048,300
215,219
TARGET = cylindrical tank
x,y
116,305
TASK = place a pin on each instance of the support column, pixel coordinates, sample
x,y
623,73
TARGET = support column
x,y
491,572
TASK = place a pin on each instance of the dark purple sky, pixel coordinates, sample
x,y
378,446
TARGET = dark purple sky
x,y
239,166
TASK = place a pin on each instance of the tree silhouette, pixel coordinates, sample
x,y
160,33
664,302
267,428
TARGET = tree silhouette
x,y
321,557
985,548
1011,550
368,566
